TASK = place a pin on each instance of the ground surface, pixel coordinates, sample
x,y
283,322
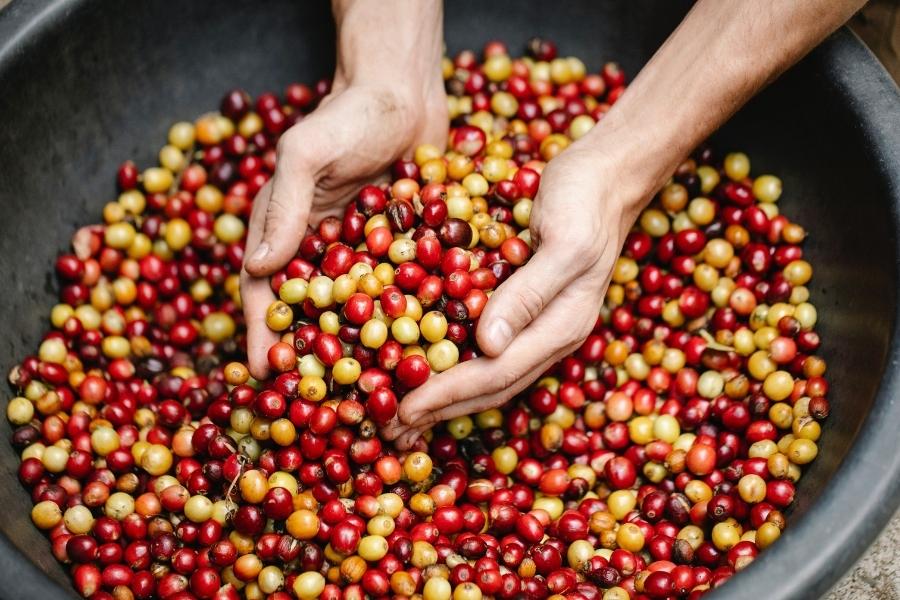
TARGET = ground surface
x,y
877,574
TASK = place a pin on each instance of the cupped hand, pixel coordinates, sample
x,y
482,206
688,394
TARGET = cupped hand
x,y
580,218
350,139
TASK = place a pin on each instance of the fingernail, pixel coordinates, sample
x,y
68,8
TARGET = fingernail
x,y
261,251
500,333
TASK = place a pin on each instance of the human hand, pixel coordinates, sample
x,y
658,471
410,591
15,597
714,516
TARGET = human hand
x,y
388,97
582,213
350,139
592,193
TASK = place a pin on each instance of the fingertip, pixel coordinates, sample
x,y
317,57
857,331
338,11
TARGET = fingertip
x,y
406,441
258,344
259,339
267,259
259,369
393,429
256,268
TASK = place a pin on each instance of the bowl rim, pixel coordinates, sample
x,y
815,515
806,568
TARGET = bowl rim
x,y
823,544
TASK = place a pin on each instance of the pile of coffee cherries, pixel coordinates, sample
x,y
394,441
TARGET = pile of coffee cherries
x,y
654,462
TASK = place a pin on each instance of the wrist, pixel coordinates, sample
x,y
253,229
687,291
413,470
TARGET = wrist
x,y
410,92
392,45
632,173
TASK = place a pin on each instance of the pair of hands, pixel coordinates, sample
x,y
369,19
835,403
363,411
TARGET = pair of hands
x,y
389,97
540,314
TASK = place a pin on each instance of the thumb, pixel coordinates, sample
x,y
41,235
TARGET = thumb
x,y
521,298
256,296
286,217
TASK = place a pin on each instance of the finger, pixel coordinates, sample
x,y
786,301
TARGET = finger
x,y
503,375
487,401
258,216
287,212
406,441
434,130
257,295
462,382
521,298
394,429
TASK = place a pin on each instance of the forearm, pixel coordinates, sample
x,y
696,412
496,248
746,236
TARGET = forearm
x,y
722,54
389,40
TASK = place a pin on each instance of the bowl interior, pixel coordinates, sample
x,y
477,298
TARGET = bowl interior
x,y
86,85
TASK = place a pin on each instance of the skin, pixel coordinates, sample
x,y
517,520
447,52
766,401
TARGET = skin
x,y
721,55
387,98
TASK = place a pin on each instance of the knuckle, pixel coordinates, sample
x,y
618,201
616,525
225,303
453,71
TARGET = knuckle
x,y
546,234
575,335
507,379
578,245
582,245
527,303
289,144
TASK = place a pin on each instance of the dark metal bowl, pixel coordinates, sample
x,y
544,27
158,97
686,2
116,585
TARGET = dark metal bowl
x,y
85,84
